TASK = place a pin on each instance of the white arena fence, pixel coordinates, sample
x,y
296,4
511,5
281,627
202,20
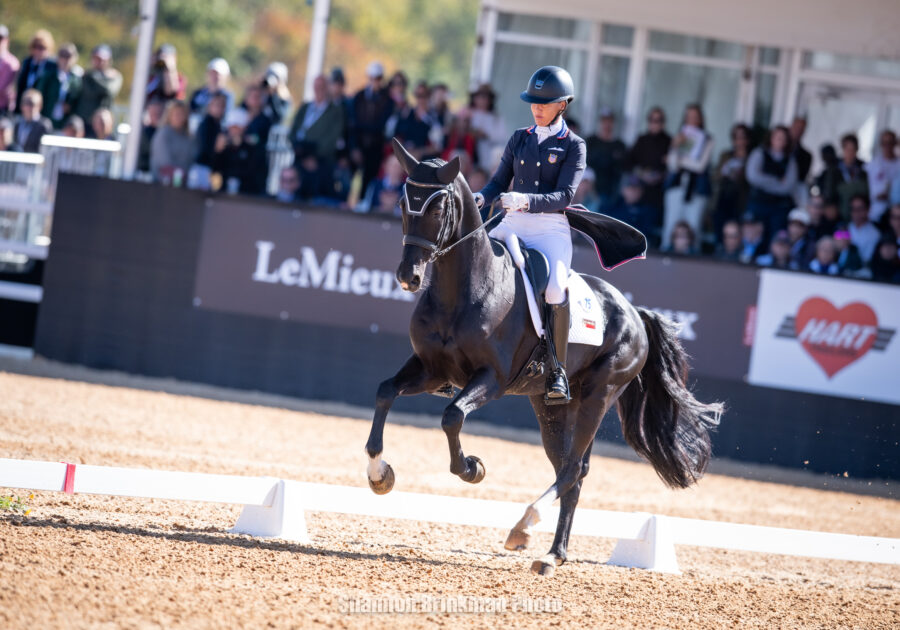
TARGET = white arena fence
x,y
275,508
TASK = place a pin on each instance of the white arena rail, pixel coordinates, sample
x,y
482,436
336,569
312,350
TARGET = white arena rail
x,y
275,508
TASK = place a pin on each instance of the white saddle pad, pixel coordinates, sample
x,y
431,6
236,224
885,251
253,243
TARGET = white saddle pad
x,y
586,322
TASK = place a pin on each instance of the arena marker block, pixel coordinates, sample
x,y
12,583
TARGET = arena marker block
x,y
653,551
282,518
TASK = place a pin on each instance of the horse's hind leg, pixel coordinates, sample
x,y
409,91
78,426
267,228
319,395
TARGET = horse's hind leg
x,y
410,380
478,391
555,425
567,486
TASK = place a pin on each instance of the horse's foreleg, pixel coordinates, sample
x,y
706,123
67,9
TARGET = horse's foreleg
x,y
482,388
411,379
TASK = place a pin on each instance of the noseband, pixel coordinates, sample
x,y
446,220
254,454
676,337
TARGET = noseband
x,y
430,246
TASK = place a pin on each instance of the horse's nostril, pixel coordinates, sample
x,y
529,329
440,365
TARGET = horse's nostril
x,y
415,282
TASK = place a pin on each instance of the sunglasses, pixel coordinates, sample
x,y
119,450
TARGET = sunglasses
x,y
38,47
28,103
655,120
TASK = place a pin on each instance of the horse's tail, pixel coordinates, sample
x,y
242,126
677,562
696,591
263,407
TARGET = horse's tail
x,y
661,419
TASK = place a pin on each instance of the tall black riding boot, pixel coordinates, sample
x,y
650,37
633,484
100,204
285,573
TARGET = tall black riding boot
x,y
557,327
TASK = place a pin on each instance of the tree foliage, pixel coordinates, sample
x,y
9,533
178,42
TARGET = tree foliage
x,y
428,40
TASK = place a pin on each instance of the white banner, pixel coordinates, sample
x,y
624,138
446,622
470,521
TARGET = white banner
x,y
827,336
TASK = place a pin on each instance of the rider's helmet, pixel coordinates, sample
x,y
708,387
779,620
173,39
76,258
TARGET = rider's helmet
x,y
550,84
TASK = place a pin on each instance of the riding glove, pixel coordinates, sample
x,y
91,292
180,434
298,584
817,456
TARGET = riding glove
x,y
513,201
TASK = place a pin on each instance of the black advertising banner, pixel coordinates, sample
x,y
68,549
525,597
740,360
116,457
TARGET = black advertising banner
x,y
335,268
316,266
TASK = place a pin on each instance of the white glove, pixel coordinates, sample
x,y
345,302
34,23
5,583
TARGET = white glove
x,y
479,201
514,201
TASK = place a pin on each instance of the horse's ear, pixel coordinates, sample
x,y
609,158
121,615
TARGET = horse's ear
x,y
407,161
448,172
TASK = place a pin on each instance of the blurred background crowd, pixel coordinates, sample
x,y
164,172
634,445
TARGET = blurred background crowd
x,y
748,199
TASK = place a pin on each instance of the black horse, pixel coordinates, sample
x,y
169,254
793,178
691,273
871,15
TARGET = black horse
x,y
471,328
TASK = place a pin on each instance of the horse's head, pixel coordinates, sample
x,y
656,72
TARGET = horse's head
x,y
432,205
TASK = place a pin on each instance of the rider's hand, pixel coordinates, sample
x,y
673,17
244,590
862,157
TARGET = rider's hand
x,y
479,200
513,201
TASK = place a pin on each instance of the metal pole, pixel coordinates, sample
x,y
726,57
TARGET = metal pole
x,y
139,84
316,58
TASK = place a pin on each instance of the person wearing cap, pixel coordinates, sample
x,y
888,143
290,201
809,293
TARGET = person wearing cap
x,y
803,245
848,259
232,154
486,125
277,100
545,164
371,109
779,256
9,66
100,85
38,71
217,73
165,81
68,86
606,155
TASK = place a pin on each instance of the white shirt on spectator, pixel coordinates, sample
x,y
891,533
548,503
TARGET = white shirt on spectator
x,y
881,173
865,237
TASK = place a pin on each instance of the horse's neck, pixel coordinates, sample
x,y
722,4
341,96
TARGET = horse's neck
x,y
463,273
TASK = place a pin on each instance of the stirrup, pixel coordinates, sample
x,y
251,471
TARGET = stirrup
x,y
557,388
446,390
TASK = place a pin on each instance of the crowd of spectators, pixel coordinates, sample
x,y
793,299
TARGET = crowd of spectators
x,y
761,205
754,203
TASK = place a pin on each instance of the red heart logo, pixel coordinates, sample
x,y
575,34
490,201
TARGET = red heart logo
x,y
834,337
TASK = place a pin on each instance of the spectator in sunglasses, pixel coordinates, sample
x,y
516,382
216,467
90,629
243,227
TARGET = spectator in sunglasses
x,y
38,71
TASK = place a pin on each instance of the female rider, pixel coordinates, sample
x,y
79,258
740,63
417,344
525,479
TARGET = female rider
x,y
545,163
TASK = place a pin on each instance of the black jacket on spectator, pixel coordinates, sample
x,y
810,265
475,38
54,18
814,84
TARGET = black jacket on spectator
x,y
803,158
247,161
28,134
371,110
207,132
143,161
44,78
606,158
648,159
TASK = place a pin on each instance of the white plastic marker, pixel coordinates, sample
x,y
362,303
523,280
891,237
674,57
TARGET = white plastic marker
x,y
275,508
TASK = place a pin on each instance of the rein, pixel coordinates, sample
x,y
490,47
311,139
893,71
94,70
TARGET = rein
x,y
434,248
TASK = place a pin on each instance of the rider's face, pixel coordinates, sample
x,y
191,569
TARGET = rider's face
x,y
544,114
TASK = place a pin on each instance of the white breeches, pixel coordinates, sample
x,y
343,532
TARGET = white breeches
x,y
549,234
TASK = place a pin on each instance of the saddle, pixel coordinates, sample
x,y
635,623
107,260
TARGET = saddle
x,y
537,271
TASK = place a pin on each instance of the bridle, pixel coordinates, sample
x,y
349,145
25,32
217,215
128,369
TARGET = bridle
x,y
430,246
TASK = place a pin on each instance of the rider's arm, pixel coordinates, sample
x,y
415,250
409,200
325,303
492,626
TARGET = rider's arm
x,y
570,174
502,177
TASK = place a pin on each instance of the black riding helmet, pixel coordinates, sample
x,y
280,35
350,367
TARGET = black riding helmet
x,y
550,84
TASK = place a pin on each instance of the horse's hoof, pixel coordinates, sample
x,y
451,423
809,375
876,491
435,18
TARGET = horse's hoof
x,y
473,463
545,566
386,483
517,540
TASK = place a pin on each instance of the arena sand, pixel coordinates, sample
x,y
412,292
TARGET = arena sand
x,y
95,562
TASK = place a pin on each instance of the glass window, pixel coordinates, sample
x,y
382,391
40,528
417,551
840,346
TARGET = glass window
x,y
615,35
697,46
514,65
769,56
852,64
674,85
579,30
611,84
765,97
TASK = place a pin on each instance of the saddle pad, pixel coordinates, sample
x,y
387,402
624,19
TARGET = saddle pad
x,y
586,321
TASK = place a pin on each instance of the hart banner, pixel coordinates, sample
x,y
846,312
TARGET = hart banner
x,y
827,336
